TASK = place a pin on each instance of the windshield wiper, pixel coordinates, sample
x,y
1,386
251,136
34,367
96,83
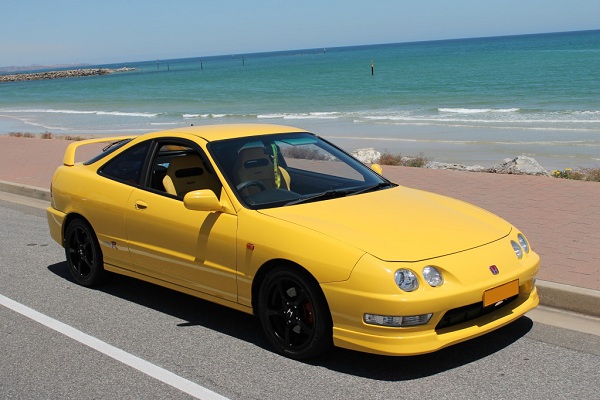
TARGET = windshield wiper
x,y
329,194
373,188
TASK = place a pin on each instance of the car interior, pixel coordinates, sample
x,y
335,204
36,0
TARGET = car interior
x,y
177,171
253,164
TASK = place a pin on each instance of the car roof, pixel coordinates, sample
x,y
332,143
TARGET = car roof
x,y
211,133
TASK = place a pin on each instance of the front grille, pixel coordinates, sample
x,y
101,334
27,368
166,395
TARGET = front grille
x,y
468,313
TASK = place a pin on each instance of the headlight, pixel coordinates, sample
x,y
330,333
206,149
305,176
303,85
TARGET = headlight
x,y
523,242
432,276
406,280
518,250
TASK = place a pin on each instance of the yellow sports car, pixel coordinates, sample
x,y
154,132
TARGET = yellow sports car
x,y
278,222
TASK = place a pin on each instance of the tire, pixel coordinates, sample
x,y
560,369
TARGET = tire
x,y
83,254
294,315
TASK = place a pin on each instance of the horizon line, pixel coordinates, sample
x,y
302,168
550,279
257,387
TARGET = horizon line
x,y
335,47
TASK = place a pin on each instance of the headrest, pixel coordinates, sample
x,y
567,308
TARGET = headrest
x,y
261,162
187,161
187,172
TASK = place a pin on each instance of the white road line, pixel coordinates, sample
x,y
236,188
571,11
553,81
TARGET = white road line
x,y
144,366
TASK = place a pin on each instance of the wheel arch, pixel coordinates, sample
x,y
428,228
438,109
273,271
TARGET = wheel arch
x,y
271,265
68,220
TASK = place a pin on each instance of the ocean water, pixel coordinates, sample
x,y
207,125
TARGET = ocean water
x,y
470,101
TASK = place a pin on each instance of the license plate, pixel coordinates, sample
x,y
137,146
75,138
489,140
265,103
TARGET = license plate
x,y
499,293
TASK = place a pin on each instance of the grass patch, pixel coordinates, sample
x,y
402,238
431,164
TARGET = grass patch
x,y
21,134
388,158
46,135
73,138
580,174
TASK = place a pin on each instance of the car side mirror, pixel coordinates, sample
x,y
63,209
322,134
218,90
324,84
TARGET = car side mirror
x,y
202,200
377,168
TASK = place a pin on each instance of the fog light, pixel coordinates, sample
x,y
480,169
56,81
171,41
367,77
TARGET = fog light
x,y
523,242
518,250
396,321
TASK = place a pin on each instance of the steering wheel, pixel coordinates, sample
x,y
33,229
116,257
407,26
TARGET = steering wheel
x,y
254,182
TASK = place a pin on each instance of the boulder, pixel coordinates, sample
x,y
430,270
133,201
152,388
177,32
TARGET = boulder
x,y
455,167
367,156
520,165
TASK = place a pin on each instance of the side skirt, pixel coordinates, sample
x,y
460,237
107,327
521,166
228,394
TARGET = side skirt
x,y
178,288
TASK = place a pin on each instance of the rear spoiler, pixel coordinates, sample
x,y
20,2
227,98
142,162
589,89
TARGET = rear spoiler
x,y
69,157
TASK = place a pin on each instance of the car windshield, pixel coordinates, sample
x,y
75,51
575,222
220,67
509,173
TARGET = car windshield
x,y
288,169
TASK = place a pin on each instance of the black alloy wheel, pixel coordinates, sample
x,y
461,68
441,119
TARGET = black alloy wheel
x,y
83,253
294,314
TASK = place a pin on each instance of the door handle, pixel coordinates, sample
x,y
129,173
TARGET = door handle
x,y
140,205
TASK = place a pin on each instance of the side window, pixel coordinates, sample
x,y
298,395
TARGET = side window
x,y
177,169
127,167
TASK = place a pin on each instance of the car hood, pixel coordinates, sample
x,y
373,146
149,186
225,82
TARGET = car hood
x,y
399,224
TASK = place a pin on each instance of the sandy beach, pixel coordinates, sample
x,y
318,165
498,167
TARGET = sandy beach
x,y
465,149
8,124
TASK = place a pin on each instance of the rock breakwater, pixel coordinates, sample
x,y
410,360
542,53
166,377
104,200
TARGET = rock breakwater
x,y
520,165
71,73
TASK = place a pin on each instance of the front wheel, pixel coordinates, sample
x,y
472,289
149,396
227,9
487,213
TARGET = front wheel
x,y
294,314
83,253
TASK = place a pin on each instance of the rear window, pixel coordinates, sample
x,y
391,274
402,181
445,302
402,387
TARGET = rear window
x,y
107,150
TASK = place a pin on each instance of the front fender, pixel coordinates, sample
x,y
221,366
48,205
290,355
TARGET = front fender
x,y
262,238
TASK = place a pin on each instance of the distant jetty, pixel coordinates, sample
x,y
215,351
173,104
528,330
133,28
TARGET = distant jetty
x,y
71,73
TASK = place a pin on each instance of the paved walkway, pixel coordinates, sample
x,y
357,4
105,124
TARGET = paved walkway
x,y
561,218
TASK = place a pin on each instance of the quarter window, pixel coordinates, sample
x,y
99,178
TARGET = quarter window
x,y
127,167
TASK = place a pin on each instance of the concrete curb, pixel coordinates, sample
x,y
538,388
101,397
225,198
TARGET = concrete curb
x,y
25,190
569,298
555,295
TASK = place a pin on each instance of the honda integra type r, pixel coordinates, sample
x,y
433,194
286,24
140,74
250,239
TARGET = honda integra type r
x,y
278,222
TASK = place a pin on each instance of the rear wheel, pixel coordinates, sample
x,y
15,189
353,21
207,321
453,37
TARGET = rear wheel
x,y
83,253
294,314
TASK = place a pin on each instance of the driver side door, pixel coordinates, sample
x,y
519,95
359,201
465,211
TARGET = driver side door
x,y
193,249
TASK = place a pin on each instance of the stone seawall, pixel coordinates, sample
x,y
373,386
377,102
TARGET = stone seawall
x,y
71,73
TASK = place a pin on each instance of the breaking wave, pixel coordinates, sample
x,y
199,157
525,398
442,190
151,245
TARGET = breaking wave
x,y
82,112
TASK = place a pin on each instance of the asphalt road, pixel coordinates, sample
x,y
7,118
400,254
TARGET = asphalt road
x,y
195,343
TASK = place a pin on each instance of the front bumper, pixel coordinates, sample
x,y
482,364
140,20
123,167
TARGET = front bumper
x,y
413,342
371,289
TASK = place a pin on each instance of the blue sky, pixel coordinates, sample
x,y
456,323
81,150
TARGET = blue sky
x,y
80,31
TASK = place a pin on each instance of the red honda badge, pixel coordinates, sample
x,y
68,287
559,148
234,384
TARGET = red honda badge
x,y
494,270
